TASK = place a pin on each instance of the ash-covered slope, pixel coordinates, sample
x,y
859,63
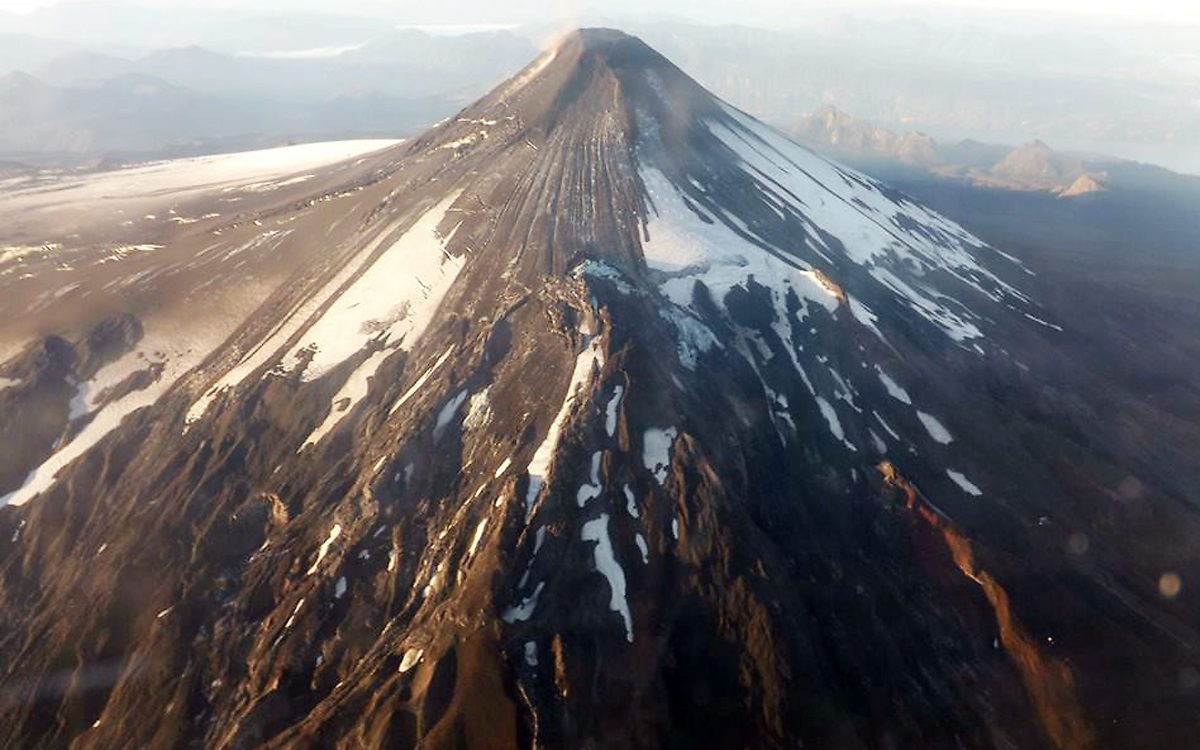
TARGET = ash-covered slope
x,y
599,416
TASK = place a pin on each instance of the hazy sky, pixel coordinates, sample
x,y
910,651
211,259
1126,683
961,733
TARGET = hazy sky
x,y
1168,12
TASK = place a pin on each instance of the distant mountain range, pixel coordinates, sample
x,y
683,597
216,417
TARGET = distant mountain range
x,y
305,75
399,63
1030,166
85,105
141,116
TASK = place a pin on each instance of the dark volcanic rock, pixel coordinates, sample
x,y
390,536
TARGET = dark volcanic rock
x,y
599,416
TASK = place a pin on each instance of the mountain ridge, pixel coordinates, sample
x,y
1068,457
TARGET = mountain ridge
x,y
1030,166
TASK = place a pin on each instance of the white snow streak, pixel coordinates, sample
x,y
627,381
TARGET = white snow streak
x,y
966,484
936,429
185,349
631,503
394,300
354,390
448,412
421,381
90,393
607,565
291,620
835,425
610,418
893,388
503,468
334,533
411,658
180,177
895,435
371,296
477,537
642,547
590,492
543,457
874,228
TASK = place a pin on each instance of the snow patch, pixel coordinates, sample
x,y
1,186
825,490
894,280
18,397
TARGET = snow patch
x,y
265,350
477,537
875,228
479,412
631,503
435,580
936,429
610,416
121,252
865,316
835,425
353,391
539,466
895,435
601,270
685,249
656,451
966,484
693,337
90,393
411,658
642,547
607,565
292,620
393,301
590,492
185,349
421,381
1044,323
893,388
334,533
448,412
178,178
503,468
523,611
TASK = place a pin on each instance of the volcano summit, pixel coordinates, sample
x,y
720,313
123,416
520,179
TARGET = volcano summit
x,y
600,415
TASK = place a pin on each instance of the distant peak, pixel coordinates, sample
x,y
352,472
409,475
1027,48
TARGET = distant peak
x,y
1036,144
832,110
19,80
1083,185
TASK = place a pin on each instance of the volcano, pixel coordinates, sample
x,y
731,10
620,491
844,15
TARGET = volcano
x,y
601,415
